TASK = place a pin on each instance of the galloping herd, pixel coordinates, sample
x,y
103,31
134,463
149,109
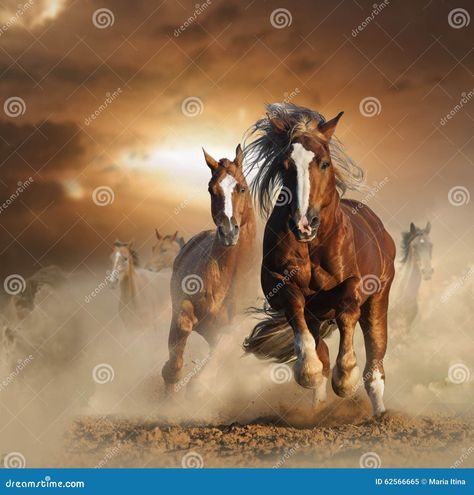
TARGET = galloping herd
x,y
328,262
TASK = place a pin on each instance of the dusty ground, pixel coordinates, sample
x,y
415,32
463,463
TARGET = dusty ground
x,y
394,440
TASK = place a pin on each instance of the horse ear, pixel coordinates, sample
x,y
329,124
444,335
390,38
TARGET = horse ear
x,y
158,236
428,228
131,244
412,228
277,123
327,128
181,241
211,163
239,156
173,237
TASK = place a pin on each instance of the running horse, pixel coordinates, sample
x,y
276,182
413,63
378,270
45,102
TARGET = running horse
x,y
164,251
327,262
415,266
211,273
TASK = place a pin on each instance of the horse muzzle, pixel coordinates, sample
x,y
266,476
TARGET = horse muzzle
x,y
228,232
304,229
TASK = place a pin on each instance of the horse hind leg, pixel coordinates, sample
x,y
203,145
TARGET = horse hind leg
x,y
373,321
181,327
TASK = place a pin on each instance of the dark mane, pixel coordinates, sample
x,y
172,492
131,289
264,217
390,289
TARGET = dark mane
x,y
407,238
263,155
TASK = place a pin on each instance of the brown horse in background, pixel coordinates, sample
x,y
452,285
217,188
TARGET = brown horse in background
x,y
210,274
320,261
164,251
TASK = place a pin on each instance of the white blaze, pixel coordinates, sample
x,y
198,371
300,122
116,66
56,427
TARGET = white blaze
x,y
227,184
302,158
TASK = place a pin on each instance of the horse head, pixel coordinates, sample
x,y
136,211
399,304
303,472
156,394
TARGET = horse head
x,y
164,251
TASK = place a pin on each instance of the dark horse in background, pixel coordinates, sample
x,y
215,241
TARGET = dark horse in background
x,y
321,262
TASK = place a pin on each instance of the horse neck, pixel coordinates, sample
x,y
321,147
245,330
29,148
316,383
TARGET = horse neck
x,y
410,277
128,285
331,217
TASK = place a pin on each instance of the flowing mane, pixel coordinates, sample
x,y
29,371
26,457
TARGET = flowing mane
x,y
407,238
263,155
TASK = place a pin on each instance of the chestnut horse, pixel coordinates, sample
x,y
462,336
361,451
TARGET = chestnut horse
x,y
320,261
164,251
210,274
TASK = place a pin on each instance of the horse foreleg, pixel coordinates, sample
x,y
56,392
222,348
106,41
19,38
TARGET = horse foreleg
x,y
345,375
374,325
320,394
181,327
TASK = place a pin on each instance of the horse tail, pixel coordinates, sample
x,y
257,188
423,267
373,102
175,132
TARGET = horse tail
x,y
272,337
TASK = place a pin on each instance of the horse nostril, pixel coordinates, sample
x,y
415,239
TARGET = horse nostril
x,y
236,229
314,222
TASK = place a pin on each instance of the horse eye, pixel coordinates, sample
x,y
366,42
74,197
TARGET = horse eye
x,y
242,189
324,165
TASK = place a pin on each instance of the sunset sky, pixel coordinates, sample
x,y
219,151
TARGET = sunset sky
x,y
164,78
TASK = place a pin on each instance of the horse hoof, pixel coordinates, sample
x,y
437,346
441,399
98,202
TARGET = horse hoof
x,y
308,373
345,384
